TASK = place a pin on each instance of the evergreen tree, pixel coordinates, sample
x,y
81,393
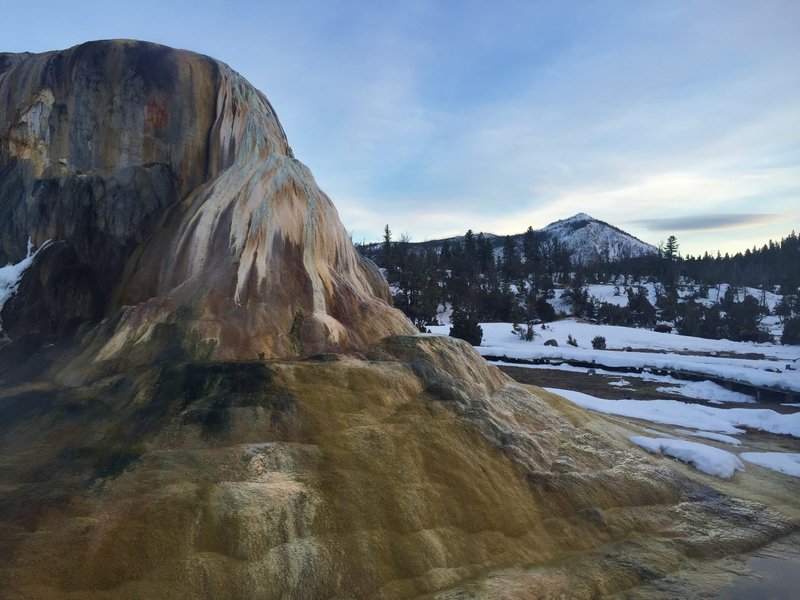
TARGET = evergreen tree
x,y
465,326
387,248
530,252
511,265
671,248
791,332
544,310
642,312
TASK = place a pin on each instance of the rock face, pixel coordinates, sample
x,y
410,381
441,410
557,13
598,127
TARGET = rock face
x,y
160,438
175,206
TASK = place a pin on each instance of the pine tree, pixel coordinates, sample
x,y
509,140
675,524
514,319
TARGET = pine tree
x,y
387,247
671,248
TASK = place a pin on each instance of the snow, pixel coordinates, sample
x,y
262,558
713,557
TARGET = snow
x,y
620,383
444,315
708,391
717,293
707,459
11,274
617,295
618,337
783,462
610,294
709,435
559,304
587,238
661,351
693,416
558,367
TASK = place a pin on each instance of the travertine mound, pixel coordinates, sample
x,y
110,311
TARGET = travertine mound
x,y
419,471
176,209
210,397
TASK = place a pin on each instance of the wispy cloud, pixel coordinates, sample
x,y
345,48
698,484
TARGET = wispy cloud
x,y
436,120
712,222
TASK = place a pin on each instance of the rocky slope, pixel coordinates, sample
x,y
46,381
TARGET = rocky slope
x,y
419,471
175,209
148,451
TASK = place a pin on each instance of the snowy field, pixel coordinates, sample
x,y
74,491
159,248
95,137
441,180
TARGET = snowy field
x,y
760,365
649,355
711,423
732,421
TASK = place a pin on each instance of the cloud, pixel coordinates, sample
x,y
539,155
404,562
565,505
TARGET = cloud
x,y
708,222
437,121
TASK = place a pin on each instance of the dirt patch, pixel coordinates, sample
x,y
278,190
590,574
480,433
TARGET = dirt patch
x,y
595,385
602,386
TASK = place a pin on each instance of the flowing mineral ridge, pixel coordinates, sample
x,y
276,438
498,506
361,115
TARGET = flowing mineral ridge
x,y
205,392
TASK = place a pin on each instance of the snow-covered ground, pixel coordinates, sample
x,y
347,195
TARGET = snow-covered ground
x,y
717,293
710,435
708,459
615,293
694,416
783,462
648,350
706,390
706,422
759,365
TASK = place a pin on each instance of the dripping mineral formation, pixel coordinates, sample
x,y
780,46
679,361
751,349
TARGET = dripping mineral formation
x,y
177,211
204,392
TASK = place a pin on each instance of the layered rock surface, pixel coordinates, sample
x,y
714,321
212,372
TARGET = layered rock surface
x,y
403,475
164,433
175,208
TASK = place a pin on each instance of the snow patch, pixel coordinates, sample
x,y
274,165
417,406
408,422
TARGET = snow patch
x,y
708,391
709,435
693,416
783,462
11,274
707,459
620,383
660,352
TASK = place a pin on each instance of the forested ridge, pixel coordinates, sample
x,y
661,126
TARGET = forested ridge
x,y
517,279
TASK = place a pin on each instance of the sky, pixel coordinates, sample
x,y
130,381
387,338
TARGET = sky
x,y
662,118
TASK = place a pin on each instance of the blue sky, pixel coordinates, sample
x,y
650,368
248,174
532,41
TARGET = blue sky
x,y
434,117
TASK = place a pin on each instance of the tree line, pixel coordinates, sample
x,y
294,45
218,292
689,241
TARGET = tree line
x,y
483,279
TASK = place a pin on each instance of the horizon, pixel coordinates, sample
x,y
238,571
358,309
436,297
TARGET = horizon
x,y
679,119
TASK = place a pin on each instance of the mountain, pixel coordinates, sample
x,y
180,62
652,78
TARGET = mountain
x,y
590,240
204,393
585,239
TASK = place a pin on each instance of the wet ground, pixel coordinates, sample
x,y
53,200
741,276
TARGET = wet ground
x,y
769,578
602,386
772,572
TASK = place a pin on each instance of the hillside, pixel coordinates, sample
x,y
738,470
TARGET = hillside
x,y
585,241
589,240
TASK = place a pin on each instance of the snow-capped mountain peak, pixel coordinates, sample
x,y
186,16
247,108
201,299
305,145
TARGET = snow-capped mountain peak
x,y
590,240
